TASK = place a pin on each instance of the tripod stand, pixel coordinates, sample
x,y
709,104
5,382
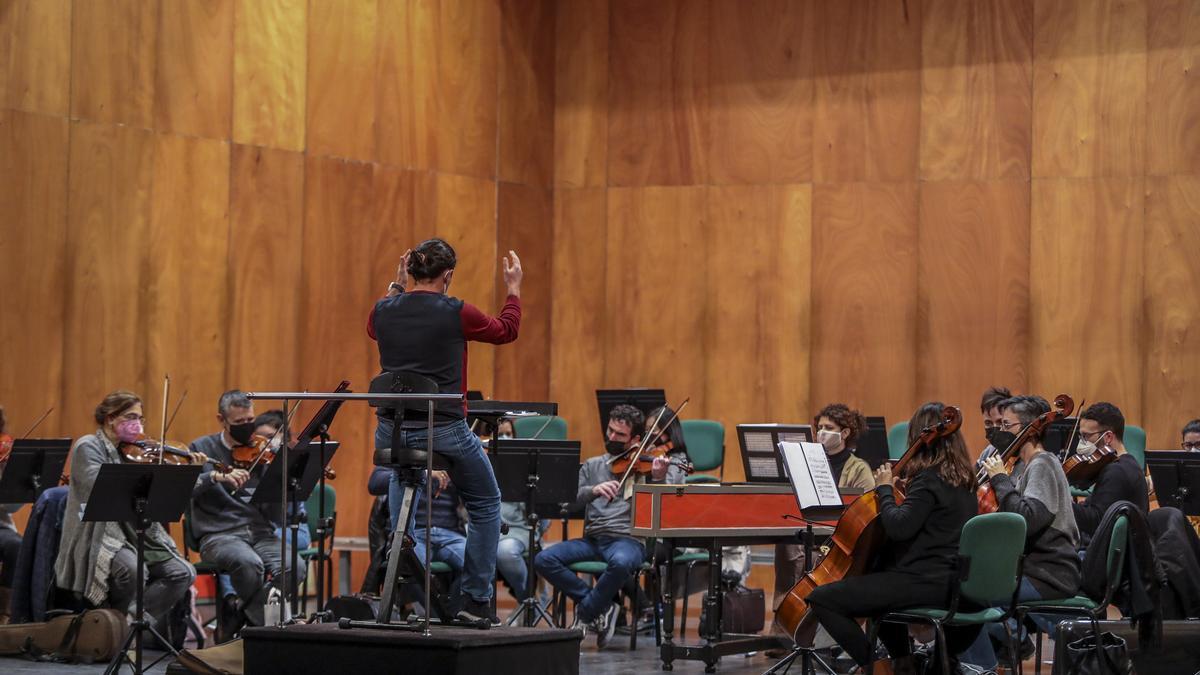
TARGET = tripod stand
x,y
530,608
807,654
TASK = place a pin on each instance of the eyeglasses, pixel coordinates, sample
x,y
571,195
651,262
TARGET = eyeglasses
x,y
132,417
1008,426
1089,436
1192,447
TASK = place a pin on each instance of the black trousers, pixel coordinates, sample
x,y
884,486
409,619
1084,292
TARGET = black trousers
x,y
838,605
10,546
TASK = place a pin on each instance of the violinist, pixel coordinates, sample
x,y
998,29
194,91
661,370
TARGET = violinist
x,y
607,523
240,538
1042,496
838,430
1101,430
919,557
10,538
1189,441
97,560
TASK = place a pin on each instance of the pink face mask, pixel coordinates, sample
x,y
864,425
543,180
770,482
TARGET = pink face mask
x,y
128,431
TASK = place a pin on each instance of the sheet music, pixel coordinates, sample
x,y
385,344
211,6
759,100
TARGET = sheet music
x,y
811,477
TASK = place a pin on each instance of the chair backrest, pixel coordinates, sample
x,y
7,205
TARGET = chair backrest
x,y
1135,443
993,543
705,440
526,427
1118,545
897,440
313,505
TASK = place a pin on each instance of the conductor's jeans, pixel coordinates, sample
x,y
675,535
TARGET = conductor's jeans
x,y
166,583
839,604
471,473
248,555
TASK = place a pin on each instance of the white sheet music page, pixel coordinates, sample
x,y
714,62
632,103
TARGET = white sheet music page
x,y
812,479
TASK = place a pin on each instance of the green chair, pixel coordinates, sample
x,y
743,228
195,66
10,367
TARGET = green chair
x,y
1135,443
989,574
705,441
312,553
1081,605
897,440
594,568
526,427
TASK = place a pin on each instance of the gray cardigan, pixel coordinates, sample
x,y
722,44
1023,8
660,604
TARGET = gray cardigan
x,y
87,549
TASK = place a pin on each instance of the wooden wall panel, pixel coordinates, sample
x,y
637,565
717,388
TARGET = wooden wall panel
x,y
108,214
526,102
1089,88
864,267
184,298
579,320
1086,275
35,56
1172,124
976,98
525,224
973,301
657,280
466,218
341,78
468,65
265,246
581,93
1172,308
867,62
658,96
405,215
33,236
759,307
269,66
407,115
194,75
761,99
113,60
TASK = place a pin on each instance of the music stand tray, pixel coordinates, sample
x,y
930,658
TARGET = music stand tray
x,y
1176,477
34,464
140,494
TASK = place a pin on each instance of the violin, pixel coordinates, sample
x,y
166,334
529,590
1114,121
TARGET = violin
x,y
1083,471
857,540
645,462
6,443
985,494
259,451
149,451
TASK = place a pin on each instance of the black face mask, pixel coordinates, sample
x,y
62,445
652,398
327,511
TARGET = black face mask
x,y
242,432
614,447
990,434
1001,439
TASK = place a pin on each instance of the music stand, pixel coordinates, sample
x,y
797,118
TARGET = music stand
x,y
761,459
30,462
140,494
1176,476
520,464
641,398
872,445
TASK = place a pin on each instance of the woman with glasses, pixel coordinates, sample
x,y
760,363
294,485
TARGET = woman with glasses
x,y
96,560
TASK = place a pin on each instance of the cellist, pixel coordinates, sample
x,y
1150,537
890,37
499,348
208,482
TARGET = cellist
x,y
918,560
1102,429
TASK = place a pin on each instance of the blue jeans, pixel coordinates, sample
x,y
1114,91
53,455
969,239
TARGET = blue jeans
x,y
472,474
449,546
982,654
623,555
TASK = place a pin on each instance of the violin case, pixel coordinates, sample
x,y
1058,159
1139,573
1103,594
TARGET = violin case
x,y
94,635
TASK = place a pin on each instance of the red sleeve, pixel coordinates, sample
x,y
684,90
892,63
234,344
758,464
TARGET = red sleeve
x,y
371,324
499,330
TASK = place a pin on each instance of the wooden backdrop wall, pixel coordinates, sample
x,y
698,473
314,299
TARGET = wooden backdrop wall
x,y
764,205
219,190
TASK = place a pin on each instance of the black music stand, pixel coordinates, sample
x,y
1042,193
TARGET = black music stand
x,y
1176,477
520,464
639,397
31,462
318,428
873,447
140,494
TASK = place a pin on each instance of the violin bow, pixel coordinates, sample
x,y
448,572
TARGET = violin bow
x,y
637,455
178,405
37,422
263,450
166,398
1062,454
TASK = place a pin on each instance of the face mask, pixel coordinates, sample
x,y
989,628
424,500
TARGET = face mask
x,y
1001,439
276,443
990,434
128,431
831,440
614,447
1085,448
505,437
242,432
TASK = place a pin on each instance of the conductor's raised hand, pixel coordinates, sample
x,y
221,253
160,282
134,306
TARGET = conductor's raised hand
x,y
513,273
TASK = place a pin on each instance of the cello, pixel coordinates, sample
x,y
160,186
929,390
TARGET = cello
x,y
856,541
1064,405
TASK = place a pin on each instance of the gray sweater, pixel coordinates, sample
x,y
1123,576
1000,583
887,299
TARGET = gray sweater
x,y
1043,497
601,517
215,507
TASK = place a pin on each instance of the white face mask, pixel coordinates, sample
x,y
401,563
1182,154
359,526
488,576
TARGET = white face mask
x,y
831,440
1085,448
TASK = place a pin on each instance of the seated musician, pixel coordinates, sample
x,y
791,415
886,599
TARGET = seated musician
x,y
1102,428
238,537
838,429
1042,496
606,529
511,552
449,533
989,406
1189,442
922,534
10,538
98,560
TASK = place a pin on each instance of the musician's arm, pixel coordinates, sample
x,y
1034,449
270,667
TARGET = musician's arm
x,y
675,475
584,494
206,480
1037,516
904,521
